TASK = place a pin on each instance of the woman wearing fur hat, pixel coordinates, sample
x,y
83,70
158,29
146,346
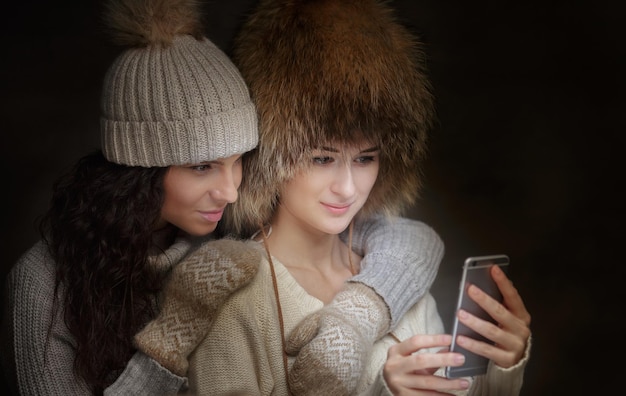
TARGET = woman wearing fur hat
x,y
344,109
176,119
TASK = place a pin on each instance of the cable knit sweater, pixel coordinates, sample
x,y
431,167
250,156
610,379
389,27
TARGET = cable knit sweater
x,y
407,251
242,354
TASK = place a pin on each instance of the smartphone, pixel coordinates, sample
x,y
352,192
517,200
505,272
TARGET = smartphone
x,y
476,272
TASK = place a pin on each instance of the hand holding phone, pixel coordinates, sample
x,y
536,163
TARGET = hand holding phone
x,y
476,271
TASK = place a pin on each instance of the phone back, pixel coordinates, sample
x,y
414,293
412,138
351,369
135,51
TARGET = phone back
x,y
476,272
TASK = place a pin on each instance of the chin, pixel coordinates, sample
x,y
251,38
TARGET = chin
x,y
335,228
201,231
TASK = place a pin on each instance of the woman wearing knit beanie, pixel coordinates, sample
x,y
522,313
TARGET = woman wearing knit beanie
x,y
344,108
176,118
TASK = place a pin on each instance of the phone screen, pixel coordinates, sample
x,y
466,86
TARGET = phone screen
x,y
476,272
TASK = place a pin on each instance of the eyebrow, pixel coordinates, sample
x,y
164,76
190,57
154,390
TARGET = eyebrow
x,y
367,150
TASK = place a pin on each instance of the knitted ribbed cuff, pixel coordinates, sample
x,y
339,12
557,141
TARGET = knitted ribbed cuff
x,y
144,376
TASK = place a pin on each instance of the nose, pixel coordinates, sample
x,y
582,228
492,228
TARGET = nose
x,y
343,182
226,189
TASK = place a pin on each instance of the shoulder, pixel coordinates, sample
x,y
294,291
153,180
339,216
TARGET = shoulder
x,y
30,285
35,267
29,291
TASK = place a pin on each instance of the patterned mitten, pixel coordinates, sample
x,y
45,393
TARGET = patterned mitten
x,y
198,287
333,344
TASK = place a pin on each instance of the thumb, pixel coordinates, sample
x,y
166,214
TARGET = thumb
x,y
304,332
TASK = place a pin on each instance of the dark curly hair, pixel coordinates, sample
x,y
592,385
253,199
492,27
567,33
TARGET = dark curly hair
x,y
99,231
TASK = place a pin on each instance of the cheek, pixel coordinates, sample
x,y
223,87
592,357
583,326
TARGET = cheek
x,y
367,179
172,201
296,191
169,187
179,191
237,176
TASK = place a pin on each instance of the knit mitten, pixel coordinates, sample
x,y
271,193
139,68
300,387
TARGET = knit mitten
x,y
197,288
333,344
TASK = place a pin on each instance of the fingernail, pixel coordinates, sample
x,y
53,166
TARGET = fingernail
x,y
459,359
464,383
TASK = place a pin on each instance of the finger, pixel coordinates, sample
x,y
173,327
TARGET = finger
x,y
420,341
509,345
500,355
419,384
403,379
511,297
428,363
425,363
438,385
500,313
509,332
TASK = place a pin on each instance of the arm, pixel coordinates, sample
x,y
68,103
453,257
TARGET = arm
x,y
196,290
417,362
38,359
508,355
401,258
145,376
502,381
37,365
399,266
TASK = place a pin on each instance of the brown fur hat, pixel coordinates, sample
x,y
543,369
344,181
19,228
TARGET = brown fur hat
x,y
319,71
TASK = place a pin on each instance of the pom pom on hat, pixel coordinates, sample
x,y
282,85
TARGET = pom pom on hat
x,y
139,23
173,97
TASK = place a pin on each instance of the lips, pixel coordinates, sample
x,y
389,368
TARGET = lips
x,y
213,216
337,209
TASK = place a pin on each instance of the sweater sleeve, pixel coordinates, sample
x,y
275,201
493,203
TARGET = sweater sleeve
x,y
502,381
401,258
144,376
422,318
38,350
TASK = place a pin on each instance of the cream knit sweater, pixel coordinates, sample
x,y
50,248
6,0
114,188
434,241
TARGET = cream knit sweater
x,y
406,251
242,354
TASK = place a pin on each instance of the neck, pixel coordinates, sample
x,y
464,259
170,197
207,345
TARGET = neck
x,y
319,262
306,247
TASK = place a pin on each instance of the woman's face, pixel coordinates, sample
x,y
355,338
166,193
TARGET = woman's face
x,y
327,195
196,195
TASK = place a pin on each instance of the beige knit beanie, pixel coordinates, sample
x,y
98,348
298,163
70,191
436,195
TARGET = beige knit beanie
x,y
172,97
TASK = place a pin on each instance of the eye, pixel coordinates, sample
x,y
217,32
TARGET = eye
x,y
322,160
365,159
201,168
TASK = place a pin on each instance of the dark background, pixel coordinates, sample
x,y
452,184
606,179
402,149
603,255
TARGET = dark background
x,y
526,158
